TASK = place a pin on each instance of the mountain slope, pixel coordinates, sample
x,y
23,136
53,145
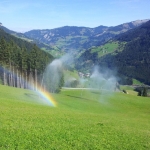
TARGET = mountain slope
x,y
24,37
19,43
21,62
10,38
20,35
78,39
131,56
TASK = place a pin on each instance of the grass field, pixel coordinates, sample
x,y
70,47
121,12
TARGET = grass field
x,y
82,120
136,82
109,47
54,51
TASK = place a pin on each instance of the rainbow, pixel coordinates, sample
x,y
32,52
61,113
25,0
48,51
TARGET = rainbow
x,y
45,95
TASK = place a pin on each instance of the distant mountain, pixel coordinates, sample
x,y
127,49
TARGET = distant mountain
x,y
24,37
128,53
14,48
78,39
18,41
20,35
21,62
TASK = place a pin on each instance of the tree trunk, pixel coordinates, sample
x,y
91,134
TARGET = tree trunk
x,y
26,79
31,81
42,86
20,80
9,84
35,79
17,79
10,74
13,77
4,76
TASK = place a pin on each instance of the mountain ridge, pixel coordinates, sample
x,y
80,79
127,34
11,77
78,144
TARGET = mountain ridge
x,y
72,39
128,53
23,36
78,39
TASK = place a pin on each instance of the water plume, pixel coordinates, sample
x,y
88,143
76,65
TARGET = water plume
x,y
103,80
41,96
71,82
53,75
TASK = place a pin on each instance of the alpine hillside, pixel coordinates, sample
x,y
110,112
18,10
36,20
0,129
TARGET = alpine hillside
x,y
21,62
76,40
128,53
24,37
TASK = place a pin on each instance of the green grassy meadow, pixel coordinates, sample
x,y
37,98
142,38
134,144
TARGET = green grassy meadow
x,y
82,120
110,47
136,82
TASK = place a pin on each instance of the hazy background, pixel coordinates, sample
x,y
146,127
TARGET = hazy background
x,y
25,15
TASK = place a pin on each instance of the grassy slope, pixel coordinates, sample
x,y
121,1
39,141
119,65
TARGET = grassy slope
x,y
71,74
109,47
136,82
23,38
55,52
82,120
70,39
64,43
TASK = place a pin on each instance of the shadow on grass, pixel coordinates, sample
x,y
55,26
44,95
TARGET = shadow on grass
x,y
98,93
31,95
78,97
35,98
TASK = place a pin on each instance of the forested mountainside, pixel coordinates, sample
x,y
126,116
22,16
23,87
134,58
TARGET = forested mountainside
x,y
76,40
128,53
21,35
25,38
21,62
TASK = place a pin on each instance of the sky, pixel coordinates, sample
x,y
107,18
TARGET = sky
x,y
25,15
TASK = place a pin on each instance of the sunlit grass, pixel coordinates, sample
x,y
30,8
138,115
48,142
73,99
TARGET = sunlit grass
x,y
83,119
105,49
136,82
110,47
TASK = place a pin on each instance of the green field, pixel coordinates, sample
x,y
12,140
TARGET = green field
x,y
55,52
110,47
136,82
82,120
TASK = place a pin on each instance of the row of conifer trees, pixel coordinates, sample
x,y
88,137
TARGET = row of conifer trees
x,y
20,66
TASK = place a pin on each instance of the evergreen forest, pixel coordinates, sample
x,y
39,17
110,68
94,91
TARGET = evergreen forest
x,y
132,61
21,62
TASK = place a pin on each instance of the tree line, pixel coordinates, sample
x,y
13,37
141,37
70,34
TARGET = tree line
x,y
132,62
22,63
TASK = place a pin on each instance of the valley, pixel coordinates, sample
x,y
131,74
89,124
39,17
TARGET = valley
x,y
75,88
82,119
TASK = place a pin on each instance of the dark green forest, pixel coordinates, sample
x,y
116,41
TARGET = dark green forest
x,y
21,62
132,62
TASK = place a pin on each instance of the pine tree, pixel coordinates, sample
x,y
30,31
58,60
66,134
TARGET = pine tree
x,y
23,60
144,92
4,59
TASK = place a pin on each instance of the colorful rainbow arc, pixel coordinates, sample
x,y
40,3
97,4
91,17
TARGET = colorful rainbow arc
x,y
45,94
